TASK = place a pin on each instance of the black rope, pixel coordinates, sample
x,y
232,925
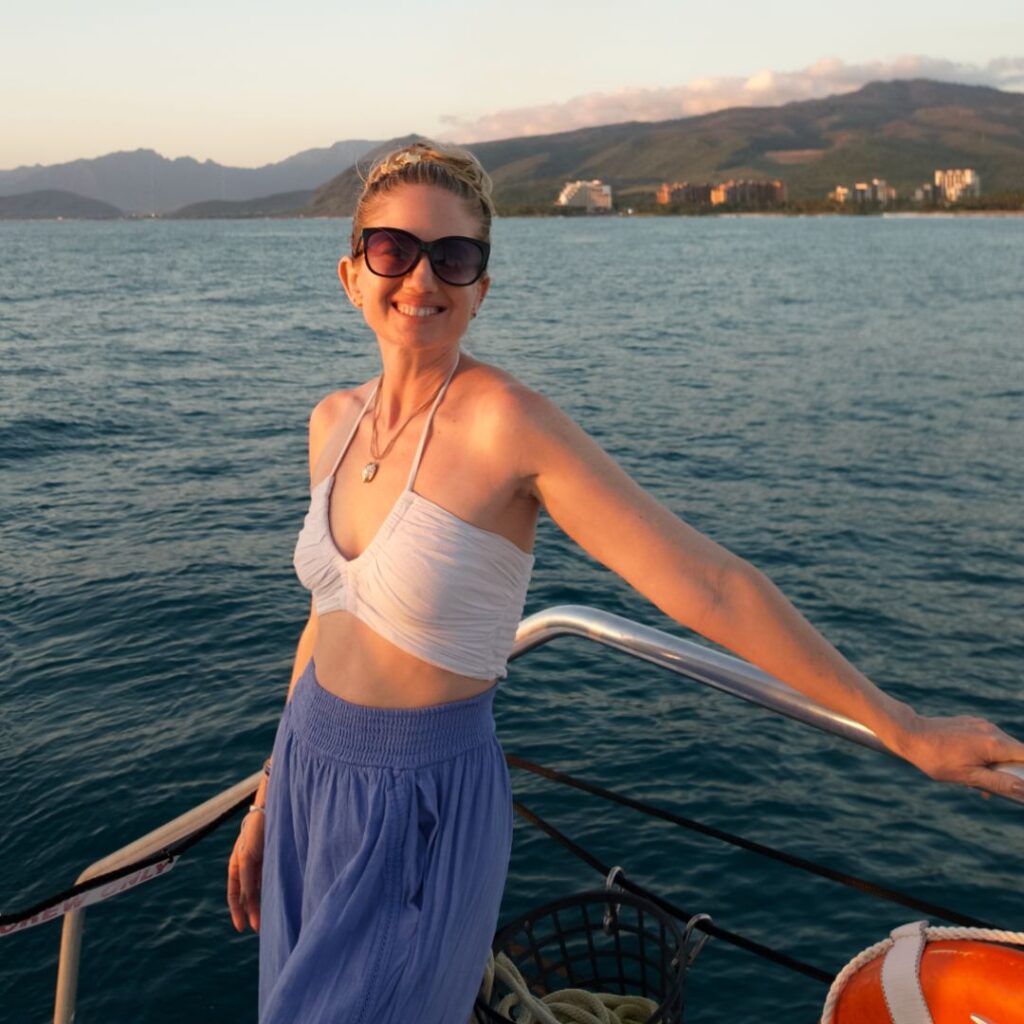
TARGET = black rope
x,y
176,849
871,888
783,959
171,851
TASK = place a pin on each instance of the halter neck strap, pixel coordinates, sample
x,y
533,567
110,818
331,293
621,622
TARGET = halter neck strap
x,y
423,436
426,426
355,427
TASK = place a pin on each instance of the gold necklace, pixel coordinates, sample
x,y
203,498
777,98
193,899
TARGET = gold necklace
x,y
370,469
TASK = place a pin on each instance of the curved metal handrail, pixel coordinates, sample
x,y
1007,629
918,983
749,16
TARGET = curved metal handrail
x,y
712,668
686,658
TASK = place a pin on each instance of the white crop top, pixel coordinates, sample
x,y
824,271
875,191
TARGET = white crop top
x,y
429,582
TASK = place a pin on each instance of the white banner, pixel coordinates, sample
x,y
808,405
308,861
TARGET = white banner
x,y
97,895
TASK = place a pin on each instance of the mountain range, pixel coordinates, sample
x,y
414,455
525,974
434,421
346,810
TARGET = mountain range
x,y
901,131
143,181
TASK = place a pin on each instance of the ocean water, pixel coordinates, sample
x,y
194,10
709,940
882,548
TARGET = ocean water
x,y
839,401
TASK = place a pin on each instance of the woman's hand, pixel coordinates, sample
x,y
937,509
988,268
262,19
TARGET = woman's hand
x,y
963,749
245,869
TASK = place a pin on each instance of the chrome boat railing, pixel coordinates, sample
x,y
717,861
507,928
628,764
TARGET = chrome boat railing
x,y
685,658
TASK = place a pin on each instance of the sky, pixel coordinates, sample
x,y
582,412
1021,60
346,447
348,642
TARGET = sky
x,y
251,83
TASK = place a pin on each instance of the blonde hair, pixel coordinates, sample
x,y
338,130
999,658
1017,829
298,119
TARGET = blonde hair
x,y
428,163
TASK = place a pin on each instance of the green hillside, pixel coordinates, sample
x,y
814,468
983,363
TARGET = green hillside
x,y
283,204
49,204
901,131
337,198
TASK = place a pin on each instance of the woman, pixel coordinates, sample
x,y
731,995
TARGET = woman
x,y
382,838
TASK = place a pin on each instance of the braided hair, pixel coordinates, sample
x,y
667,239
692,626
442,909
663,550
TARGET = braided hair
x,y
428,163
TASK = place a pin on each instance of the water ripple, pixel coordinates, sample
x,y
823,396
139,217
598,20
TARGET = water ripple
x,y
859,443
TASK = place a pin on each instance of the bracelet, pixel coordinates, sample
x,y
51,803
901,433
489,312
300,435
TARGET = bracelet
x,y
253,807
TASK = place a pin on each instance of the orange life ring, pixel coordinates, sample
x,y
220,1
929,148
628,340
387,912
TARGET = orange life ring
x,y
958,977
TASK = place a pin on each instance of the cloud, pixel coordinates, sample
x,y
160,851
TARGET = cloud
x,y
825,77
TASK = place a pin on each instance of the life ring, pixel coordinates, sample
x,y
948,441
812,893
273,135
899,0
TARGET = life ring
x,y
946,981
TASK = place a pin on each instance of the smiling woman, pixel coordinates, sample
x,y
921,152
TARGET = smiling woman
x,y
392,276
455,192
387,741
381,841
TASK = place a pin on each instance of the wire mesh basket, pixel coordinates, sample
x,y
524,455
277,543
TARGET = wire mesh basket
x,y
601,941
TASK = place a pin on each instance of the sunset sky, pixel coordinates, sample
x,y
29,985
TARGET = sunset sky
x,y
250,83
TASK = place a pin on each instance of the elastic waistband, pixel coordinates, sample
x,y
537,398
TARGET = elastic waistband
x,y
388,737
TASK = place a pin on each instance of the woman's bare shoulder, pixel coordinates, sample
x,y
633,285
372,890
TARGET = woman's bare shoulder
x,y
332,407
330,414
510,423
500,396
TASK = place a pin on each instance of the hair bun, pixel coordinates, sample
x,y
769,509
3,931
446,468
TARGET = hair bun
x,y
428,163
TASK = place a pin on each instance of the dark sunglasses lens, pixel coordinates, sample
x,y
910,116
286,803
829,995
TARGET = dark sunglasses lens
x,y
390,253
457,260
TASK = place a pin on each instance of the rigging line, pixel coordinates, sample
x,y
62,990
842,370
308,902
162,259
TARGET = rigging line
x,y
14,917
871,888
750,945
171,851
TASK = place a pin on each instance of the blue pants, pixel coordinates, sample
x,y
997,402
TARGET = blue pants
x,y
387,843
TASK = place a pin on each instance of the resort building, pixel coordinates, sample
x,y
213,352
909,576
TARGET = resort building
x,y
878,192
744,194
684,193
748,193
954,185
874,193
949,187
593,196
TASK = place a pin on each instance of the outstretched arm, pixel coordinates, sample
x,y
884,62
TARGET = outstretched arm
x,y
713,592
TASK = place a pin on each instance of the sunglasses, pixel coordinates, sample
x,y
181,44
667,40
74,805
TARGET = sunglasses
x,y
455,259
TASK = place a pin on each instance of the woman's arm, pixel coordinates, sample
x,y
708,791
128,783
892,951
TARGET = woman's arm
x,y
706,588
245,866
303,653
322,422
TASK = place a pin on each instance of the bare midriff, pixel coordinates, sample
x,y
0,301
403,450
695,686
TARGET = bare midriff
x,y
359,665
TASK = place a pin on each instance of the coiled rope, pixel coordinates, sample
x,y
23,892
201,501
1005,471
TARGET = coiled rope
x,y
932,935
566,1006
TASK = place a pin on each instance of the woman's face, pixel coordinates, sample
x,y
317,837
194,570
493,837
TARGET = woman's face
x,y
419,309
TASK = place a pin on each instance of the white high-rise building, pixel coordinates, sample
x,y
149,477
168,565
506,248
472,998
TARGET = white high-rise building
x,y
593,196
954,184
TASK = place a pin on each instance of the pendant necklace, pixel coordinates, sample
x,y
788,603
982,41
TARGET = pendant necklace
x,y
370,469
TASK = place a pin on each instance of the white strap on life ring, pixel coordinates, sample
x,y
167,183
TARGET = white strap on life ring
x,y
942,934
901,975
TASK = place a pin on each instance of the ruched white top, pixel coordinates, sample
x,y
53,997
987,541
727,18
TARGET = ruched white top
x,y
429,582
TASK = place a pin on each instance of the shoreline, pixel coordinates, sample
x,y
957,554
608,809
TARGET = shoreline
x,y
614,215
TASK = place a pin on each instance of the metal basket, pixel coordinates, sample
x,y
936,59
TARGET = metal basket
x,y
601,941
